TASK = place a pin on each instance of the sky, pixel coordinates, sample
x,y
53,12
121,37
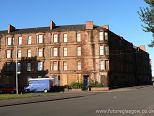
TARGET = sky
x,y
120,15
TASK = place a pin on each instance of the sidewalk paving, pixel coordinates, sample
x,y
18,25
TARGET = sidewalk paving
x,y
53,97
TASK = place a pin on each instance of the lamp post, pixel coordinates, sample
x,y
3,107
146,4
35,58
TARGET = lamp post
x,y
16,70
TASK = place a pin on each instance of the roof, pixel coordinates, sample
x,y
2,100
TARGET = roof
x,y
78,27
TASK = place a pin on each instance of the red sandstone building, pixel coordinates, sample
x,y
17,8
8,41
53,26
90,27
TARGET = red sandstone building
x,y
70,53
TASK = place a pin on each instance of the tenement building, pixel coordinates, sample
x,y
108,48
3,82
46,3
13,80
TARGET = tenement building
x,y
71,53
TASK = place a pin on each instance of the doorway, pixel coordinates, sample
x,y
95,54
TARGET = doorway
x,y
56,80
85,82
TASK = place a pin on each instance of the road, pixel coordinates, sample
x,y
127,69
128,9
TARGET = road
x,y
130,101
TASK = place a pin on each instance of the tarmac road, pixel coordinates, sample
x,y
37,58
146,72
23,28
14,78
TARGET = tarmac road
x,y
138,101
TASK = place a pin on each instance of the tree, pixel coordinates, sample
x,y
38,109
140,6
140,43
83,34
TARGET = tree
x,y
147,17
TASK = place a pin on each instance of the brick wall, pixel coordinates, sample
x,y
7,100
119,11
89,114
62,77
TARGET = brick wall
x,y
123,67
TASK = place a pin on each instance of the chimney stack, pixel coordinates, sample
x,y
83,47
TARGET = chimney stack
x,y
142,47
105,27
11,28
52,25
89,25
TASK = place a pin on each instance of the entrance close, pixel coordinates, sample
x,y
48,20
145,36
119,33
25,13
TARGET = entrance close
x,y
85,82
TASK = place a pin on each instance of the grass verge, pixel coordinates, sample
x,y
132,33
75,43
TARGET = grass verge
x,y
20,96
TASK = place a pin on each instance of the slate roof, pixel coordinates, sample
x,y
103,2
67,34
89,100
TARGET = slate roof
x,y
78,27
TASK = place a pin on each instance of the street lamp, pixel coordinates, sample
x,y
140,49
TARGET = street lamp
x,y
16,70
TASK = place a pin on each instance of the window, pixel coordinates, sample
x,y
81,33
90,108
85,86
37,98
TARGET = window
x,y
107,64
40,39
101,50
78,37
19,53
18,67
28,66
65,51
40,66
79,65
20,40
55,51
105,35
55,38
29,41
40,52
56,80
8,54
65,37
102,65
55,67
51,52
101,34
8,66
51,66
106,50
9,41
29,53
65,65
13,40
78,51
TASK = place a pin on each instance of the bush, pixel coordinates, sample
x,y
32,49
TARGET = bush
x,y
92,83
98,85
95,84
75,85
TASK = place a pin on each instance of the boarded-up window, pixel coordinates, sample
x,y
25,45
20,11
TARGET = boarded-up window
x,y
107,65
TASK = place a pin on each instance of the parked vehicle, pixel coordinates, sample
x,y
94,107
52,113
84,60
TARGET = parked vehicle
x,y
4,89
39,85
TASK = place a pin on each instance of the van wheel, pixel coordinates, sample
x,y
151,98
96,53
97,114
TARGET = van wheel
x,y
45,90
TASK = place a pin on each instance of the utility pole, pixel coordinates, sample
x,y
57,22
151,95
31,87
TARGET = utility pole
x,y
16,70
